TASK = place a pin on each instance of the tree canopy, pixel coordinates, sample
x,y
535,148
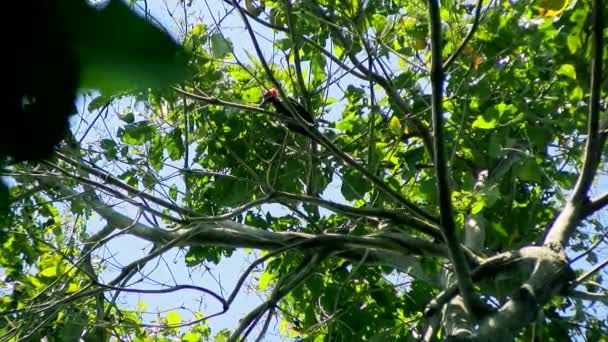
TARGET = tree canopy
x,y
451,188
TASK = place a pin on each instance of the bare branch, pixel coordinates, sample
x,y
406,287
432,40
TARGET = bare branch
x,y
592,271
595,297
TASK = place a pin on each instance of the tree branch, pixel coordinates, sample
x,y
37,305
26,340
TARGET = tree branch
x,y
571,215
592,271
389,214
595,205
448,226
594,297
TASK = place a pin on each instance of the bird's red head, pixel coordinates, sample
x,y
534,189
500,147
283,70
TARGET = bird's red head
x,y
272,92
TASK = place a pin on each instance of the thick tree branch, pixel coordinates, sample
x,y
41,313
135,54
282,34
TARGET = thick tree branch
x,y
448,226
384,248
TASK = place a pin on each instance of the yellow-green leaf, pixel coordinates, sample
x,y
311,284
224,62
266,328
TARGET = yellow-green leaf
x,y
395,126
173,318
265,279
191,337
567,70
72,288
481,122
50,271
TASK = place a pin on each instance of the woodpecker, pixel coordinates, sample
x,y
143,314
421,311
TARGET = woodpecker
x,y
272,96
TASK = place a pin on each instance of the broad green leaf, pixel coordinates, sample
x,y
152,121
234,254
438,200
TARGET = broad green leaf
x,y
574,42
528,170
567,70
98,102
155,154
72,288
577,94
498,228
191,337
136,133
173,318
142,306
72,329
220,46
354,186
478,207
148,180
134,54
107,144
128,117
222,336
395,126
174,144
173,192
481,122
50,271
265,280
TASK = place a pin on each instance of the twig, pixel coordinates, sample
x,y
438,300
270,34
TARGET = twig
x,y
592,271
390,214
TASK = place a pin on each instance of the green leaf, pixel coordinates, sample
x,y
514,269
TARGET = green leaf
x,y
50,271
107,144
148,180
109,148
574,42
173,192
528,170
155,154
136,133
174,144
173,318
192,337
220,46
71,330
567,70
134,54
478,207
128,117
498,228
577,94
265,280
222,336
354,186
481,122
98,102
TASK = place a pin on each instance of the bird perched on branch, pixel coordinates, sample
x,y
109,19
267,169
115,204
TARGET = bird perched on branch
x,y
272,96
